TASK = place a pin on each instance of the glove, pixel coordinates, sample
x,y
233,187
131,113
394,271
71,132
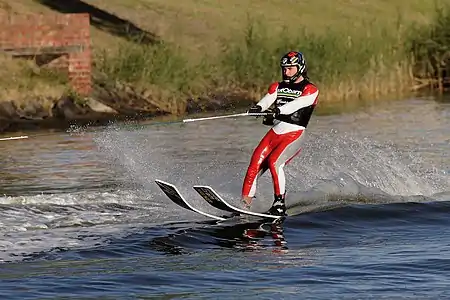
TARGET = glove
x,y
271,115
268,120
255,109
276,113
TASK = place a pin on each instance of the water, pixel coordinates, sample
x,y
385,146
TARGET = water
x,y
81,216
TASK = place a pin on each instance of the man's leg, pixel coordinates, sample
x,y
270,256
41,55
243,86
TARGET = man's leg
x,y
248,199
289,146
258,165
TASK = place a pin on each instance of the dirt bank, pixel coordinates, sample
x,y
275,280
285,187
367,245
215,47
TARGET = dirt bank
x,y
107,103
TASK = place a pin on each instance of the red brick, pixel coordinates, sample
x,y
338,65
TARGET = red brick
x,y
39,30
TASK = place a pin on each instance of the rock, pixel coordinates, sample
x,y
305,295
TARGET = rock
x,y
128,101
8,110
193,107
4,125
97,106
33,110
65,108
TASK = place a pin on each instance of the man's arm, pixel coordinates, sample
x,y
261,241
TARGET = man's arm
x,y
309,97
269,98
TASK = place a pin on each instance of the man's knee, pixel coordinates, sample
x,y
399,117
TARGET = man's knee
x,y
273,165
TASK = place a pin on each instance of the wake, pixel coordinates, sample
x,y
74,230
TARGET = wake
x,y
333,168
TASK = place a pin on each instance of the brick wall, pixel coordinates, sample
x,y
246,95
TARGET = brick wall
x,y
60,32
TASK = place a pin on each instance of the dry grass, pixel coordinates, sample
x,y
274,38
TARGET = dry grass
x,y
24,81
374,88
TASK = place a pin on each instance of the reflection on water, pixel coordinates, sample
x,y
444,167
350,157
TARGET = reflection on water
x,y
236,233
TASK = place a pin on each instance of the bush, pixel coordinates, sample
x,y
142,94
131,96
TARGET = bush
x,y
430,47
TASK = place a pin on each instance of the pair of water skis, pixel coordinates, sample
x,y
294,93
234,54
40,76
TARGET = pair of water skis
x,y
214,199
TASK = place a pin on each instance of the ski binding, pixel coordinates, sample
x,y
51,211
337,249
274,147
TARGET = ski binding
x,y
218,202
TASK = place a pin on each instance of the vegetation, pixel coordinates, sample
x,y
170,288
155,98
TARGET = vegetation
x,y
357,51
21,80
430,50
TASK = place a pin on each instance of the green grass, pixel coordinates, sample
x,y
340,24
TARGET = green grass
x,y
430,50
158,64
333,57
345,67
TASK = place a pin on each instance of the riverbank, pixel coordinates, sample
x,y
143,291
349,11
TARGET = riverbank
x,y
228,59
114,102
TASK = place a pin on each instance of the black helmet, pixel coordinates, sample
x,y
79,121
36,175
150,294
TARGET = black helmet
x,y
296,59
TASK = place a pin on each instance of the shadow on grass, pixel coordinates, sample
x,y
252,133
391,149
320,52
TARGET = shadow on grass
x,y
103,20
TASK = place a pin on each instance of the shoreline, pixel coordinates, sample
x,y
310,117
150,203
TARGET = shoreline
x,y
102,109
69,111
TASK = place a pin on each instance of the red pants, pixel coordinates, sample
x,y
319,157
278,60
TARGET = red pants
x,y
273,153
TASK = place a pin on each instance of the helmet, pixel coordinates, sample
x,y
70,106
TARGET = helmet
x,y
296,59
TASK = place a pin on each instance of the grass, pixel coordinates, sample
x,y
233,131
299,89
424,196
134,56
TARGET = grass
x,y
22,80
430,50
345,67
357,51
158,64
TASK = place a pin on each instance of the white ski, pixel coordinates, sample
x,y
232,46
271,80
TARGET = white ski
x,y
172,192
215,200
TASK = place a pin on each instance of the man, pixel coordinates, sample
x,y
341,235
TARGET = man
x,y
294,99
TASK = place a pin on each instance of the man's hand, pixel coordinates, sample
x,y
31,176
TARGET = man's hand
x,y
255,109
273,113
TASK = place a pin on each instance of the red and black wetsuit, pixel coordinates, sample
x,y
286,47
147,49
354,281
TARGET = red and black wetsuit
x,y
296,102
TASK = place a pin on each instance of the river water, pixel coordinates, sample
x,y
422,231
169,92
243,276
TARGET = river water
x,y
81,216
